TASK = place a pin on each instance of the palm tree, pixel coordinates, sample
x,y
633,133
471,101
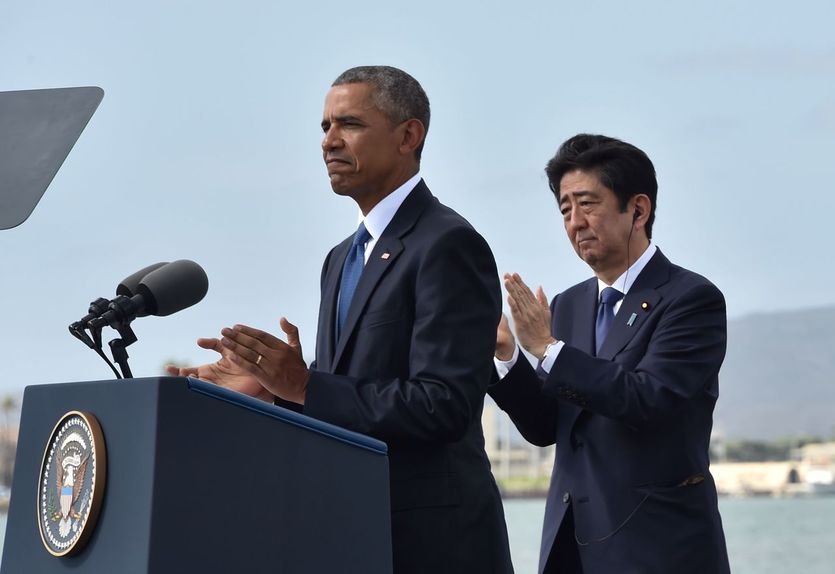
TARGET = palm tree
x,y
7,449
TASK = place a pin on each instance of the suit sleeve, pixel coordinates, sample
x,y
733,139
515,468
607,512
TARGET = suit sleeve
x,y
520,394
680,362
456,309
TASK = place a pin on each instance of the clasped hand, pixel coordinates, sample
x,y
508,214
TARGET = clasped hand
x,y
255,363
531,318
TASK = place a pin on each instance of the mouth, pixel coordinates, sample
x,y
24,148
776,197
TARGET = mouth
x,y
336,161
336,165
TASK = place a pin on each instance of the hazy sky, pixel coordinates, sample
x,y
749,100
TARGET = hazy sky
x,y
206,147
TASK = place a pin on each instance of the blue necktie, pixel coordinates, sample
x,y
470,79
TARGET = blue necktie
x,y
605,315
351,271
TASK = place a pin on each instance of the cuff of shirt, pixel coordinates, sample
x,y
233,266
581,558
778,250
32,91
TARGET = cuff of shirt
x,y
551,352
503,367
295,407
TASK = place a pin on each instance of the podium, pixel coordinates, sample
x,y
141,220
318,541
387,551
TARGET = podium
x,y
202,479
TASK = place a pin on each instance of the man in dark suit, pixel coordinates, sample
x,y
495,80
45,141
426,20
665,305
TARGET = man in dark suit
x,y
404,345
626,382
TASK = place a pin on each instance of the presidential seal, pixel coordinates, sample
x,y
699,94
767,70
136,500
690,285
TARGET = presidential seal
x,y
71,485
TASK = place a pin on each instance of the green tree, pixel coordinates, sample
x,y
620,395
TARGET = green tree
x,y
7,444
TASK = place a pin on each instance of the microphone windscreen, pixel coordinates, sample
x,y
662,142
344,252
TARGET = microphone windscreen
x,y
173,287
129,284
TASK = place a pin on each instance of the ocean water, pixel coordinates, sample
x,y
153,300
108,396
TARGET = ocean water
x,y
764,535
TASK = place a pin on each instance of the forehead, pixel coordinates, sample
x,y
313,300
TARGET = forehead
x,y
580,182
353,98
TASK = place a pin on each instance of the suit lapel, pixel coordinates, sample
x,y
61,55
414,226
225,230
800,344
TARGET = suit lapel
x,y
327,312
583,320
581,333
638,306
382,258
371,275
655,274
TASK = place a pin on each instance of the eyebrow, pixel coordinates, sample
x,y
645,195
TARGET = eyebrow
x,y
564,197
342,120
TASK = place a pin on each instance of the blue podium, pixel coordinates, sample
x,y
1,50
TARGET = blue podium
x,y
201,479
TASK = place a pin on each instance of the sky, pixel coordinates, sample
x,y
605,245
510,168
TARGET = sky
x,y
206,146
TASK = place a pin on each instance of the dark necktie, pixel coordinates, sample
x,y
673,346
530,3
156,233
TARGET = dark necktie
x,y
605,315
351,271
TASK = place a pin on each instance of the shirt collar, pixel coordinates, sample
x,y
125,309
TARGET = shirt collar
x,y
627,279
381,214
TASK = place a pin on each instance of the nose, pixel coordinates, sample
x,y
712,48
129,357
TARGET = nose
x,y
331,140
575,221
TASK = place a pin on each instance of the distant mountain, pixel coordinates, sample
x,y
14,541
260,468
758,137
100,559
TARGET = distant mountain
x,y
778,378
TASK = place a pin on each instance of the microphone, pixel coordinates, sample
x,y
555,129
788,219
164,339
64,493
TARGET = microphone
x,y
131,282
101,305
167,289
96,309
126,287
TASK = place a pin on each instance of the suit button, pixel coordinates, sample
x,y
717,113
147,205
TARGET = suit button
x,y
566,497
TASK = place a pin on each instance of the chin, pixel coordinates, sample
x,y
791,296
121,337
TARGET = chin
x,y
339,185
588,256
592,262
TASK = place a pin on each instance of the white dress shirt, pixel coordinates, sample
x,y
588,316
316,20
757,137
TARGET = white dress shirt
x,y
622,284
381,214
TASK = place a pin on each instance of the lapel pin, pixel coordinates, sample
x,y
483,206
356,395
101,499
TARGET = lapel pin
x,y
632,318
645,306
385,255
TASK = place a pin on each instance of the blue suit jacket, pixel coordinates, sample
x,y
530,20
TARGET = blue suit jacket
x,y
411,367
632,425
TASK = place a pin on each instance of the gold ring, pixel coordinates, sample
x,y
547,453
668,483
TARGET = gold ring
x,y
258,360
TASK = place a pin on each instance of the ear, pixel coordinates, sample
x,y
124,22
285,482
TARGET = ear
x,y
641,206
412,136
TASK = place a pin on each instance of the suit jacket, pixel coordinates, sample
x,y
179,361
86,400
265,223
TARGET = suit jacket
x,y
411,367
632,425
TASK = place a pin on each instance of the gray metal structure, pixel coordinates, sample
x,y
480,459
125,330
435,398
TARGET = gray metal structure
x,y
38,128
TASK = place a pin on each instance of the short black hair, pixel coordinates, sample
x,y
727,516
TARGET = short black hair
x,y
395,93
620,166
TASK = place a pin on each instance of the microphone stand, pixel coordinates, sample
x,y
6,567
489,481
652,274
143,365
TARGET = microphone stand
x,y
125,312
118,348
78,331
122,310
117,314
